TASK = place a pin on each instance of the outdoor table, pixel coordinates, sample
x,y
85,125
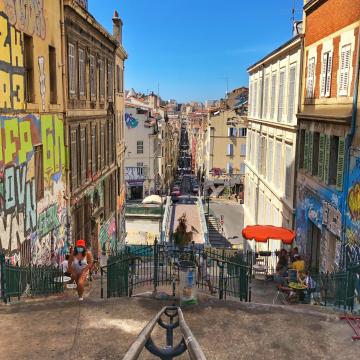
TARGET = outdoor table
x,y
299,291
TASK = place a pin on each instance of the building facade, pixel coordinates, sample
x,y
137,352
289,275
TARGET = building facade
x,y
271,137
94,107
327,223
35,223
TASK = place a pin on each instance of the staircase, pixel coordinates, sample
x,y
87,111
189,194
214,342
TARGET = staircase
x,y
216,238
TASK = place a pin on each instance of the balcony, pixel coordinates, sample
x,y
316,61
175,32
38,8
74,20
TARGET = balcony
x,y
136,173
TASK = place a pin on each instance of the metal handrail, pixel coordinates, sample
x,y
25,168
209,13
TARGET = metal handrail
x,y
187,342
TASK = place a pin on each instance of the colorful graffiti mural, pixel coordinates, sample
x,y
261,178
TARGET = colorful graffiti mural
x,y
31,151
11,67
130,121
107,236
27,16
352,232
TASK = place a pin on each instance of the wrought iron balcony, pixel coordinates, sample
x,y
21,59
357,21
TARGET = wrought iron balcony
x,y
136,173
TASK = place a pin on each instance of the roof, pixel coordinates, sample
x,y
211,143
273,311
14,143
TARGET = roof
x,y
287,44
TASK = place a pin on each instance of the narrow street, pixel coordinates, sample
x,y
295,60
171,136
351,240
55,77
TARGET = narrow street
x,y
233,215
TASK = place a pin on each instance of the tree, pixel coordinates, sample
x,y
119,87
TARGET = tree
x,y
181,236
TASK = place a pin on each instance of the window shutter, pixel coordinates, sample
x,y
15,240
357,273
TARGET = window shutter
x,y
310,78
321,155
340,165
270,160
229,132
266,97
228,149
273,94
291,99
83,154
231,149
326,159
306,150
344,70
323,74
281,95
310,156
73,150
71,50
328,74
235,132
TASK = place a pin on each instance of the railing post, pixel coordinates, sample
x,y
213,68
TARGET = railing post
x,y
221,281
101,282
156,263
2,277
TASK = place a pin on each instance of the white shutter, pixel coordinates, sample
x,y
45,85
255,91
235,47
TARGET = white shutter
x,y
310,78
243,150
270,160
323,73
288,171
71,49
255,100
266,97
273,94
291,98
344,70
281,95
229,132
328,74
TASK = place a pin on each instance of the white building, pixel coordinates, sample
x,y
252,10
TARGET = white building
x,y
271,140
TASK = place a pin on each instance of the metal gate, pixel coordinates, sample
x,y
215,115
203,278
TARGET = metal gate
x,y
150,266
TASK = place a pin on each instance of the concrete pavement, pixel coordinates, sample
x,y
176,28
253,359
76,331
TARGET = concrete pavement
x,y
233,218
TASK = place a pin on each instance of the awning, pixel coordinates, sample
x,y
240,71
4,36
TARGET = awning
x,y
262,233
152,199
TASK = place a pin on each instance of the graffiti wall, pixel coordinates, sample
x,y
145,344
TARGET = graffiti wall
x,y
107,236
352,230
11,67
32,206
319,207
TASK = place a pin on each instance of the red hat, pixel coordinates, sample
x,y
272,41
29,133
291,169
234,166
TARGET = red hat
x,y
81,243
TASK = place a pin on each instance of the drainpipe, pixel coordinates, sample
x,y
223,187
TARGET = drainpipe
x,y
64,100
297,152
349,141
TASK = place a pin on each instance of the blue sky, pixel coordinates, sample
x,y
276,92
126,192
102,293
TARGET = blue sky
x,y
189,47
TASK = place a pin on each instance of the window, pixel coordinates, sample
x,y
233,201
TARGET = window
x,y
248,139
111,142
281,95
251,95
242,169
102,146
52,69
83,154
340,164
260,98
262,157
345,70
81,72
139,147
270,160
326,74
230,150
92,77
288,171
119,79
277,172
273,94
255,103
302,149
242,132
243,150
310,81
321,156
229,168
29,68
73,154
101,79
334,149
110,80
315,156
140,168
72,70
94,150
39,173
291,97
232,132
266,98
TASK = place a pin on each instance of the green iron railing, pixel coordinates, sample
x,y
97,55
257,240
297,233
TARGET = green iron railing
x,y
17,281
157,265
142,210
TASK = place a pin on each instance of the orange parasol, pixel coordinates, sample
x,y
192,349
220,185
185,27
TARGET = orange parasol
x,y
262,233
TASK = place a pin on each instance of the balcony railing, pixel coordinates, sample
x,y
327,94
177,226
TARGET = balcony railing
x,y
136,173
139,209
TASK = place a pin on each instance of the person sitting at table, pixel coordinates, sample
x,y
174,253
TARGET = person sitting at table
x,y
293,252
282,264
298,264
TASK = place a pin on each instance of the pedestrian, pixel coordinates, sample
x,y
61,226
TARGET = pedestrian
x,y
204,273
293,252
282,264
80,263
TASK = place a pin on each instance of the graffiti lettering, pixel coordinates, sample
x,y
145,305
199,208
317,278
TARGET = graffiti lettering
x,y
331,218
48,221
354,202
27,16
11,67
42,80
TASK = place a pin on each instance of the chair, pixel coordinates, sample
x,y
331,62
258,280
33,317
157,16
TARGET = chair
x,y
281,295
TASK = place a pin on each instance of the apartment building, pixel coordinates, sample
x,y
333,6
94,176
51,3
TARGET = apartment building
x,y
226,144
271,139
327,223
93,118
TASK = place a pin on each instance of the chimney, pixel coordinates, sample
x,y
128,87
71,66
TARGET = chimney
x,y
117,27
